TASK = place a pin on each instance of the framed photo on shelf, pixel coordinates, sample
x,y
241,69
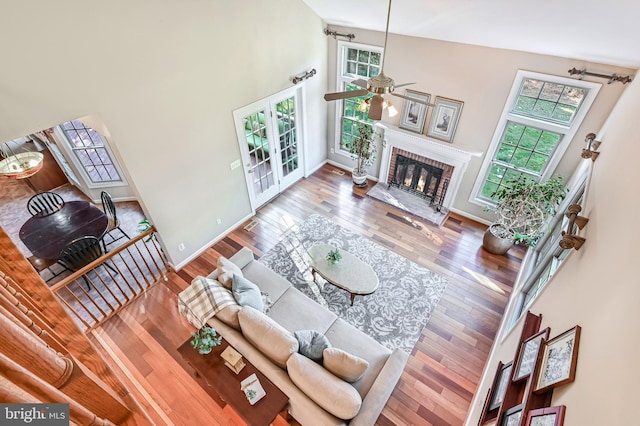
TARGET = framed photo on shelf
x,y
528,355
547,416
444,119
414,114
499,387
558,365
512,416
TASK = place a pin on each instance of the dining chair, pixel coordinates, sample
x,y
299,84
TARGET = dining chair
x,y
44,203
80,252
109,208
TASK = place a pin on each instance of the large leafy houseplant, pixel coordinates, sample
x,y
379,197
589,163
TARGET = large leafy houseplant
x,y
523,207
362,149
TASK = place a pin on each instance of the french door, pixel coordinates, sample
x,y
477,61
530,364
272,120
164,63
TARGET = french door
x,y
269,134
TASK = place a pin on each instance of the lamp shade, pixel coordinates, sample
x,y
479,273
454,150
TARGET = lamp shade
x,y
22,165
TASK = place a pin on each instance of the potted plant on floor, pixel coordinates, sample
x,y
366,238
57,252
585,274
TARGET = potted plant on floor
x,y
522,210
363,150
205,339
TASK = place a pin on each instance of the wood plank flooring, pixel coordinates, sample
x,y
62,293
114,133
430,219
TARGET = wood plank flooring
x,y
443,371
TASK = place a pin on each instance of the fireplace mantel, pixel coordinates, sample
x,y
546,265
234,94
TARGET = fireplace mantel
x,y
458,158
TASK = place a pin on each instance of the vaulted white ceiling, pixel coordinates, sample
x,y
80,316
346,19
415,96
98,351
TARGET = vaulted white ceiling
x,y
590,30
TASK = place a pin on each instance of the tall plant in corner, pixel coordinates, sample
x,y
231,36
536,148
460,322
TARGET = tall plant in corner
x,y
362,149
522,210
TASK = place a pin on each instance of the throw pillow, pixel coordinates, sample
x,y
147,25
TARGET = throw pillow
x,y
328,391
269,337
344,365
226,269
312,344
246,293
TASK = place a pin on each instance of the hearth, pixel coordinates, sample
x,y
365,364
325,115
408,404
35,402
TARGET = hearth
x,y
416,177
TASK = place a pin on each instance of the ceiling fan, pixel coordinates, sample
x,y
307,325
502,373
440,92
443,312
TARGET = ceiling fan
x,y
378,86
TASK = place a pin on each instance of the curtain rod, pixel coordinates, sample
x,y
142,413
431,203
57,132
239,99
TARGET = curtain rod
x,y
624,79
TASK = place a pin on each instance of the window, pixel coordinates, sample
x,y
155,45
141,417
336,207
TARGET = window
x,y
540,118
89,149
354,62
547,256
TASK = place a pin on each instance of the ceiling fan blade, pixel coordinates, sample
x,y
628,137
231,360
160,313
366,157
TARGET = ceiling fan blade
x,y
343,95
404,84
420,101
375,109
360,82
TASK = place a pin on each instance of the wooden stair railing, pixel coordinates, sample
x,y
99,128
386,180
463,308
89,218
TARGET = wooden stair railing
x,y
138,264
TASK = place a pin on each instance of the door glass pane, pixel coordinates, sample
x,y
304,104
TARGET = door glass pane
x,y
287,133
258,144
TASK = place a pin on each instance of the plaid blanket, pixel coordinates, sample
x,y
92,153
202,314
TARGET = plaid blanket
x,y
203,299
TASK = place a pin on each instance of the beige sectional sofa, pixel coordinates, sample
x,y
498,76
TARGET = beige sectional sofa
x,y
316,396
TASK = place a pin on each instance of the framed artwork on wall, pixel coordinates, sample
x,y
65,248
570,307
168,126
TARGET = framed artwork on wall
x,y
512,416
558,365
528,355
414,114
548,416
444,119
499,387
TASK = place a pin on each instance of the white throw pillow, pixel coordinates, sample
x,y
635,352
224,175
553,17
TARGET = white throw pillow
x,y
344,365
328,391
226,269
269,337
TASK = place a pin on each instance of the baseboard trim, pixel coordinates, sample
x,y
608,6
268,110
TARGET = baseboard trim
x,y
220,236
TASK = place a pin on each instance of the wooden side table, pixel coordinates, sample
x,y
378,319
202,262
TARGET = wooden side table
x,y
221,383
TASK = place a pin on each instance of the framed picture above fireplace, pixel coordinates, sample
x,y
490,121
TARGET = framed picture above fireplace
x,y
414,114
444,119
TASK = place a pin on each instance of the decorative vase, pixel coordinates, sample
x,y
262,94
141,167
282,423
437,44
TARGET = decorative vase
x,y
359,178
495,244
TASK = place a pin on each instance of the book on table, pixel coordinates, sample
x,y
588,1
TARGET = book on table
x,y
252,389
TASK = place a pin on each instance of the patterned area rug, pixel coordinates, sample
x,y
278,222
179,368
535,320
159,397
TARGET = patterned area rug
x,y
394,314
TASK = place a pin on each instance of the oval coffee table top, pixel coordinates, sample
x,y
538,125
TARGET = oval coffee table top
x,y
349,273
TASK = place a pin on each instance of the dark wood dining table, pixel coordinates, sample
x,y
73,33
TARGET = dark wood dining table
x,y
47,235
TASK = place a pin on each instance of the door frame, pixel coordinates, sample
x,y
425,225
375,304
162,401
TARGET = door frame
x,y
268,104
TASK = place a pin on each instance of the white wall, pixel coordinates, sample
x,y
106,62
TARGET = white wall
x,y
482,78
165,77
597,287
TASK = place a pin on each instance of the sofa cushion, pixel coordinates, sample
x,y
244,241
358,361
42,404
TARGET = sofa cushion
x,y
268,281
344,365
312,343
246,293
295,311
226,269
229,316
328,391
267,336
341,336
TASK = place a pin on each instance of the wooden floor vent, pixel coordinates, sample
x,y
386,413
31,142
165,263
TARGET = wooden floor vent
x,y
251,225
338,172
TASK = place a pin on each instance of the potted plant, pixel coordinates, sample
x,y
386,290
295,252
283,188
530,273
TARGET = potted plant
x,y
205,339
334,256
522,210
363,150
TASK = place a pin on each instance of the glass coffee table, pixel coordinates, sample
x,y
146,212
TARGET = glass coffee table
x,y
349,273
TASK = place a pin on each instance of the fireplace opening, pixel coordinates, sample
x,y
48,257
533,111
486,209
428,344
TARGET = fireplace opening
x,y
416,177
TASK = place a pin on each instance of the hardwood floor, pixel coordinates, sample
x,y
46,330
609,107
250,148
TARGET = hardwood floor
x,y
443,371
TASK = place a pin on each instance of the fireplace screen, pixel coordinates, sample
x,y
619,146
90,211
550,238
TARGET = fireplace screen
x,y
414,176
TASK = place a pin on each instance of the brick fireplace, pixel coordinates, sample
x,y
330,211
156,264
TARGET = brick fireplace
x,y
451,160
